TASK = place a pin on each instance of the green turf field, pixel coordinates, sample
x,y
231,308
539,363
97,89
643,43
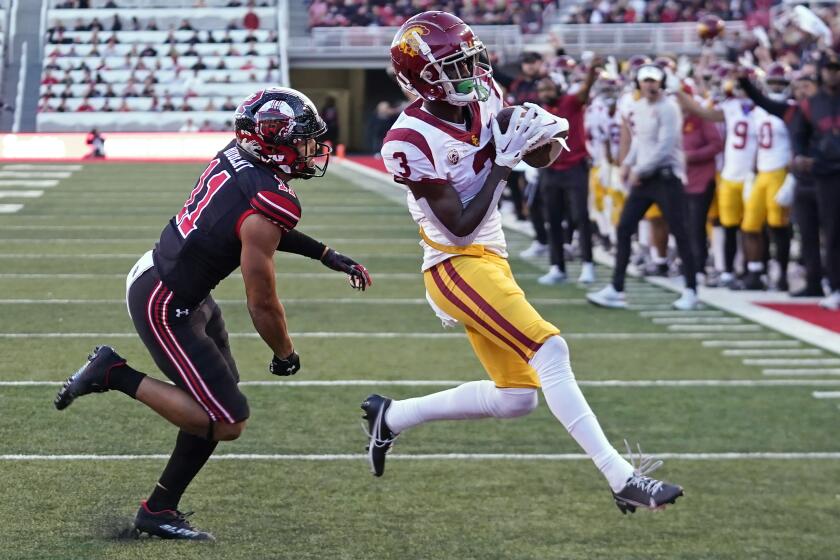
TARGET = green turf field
x,y
63,262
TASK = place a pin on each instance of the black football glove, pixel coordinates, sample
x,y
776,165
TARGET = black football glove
x,y
359,276
285,366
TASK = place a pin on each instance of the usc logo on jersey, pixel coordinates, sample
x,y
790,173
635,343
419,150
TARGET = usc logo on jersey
x,y
408,42
474,139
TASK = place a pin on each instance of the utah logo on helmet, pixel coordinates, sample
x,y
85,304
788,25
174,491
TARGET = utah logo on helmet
x,y
438,57
278,126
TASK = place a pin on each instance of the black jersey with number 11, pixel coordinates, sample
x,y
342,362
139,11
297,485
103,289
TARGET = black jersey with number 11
x,y
200,246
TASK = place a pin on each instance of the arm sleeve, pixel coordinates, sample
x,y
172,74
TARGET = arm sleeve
x,y
670,125
299,243
711,147
777,108
800,130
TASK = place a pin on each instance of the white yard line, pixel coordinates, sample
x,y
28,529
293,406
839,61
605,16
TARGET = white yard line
x,y
10,208
20,194
41,167
826,394
774,352
40,183
814,371
726,456
715,328
35,174
606,383
675,313
791,362
751,343
695,320
350,334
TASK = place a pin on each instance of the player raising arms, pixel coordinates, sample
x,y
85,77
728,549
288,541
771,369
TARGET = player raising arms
x,y
448,149
240,211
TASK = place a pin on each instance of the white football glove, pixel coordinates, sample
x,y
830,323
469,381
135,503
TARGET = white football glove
x,y
552,125
522,134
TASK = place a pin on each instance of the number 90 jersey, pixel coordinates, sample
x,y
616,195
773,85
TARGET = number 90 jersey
x,y
200,246
741,139
421,148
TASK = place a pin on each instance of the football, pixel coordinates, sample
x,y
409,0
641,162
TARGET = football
x,y
541,156
709,27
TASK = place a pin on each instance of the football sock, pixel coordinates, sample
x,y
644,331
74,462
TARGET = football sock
x,y
189,455
569,406
125,379
476,399
730,247
781,241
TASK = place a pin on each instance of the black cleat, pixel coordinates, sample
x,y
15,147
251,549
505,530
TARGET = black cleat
x,y
808,291
644,491
381,436
92,377
167,524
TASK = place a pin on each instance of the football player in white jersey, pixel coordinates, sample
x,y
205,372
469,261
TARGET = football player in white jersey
x,y
740,147
448,150
774,156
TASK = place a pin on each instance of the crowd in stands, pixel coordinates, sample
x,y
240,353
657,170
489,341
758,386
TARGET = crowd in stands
x,y
125,62
527,14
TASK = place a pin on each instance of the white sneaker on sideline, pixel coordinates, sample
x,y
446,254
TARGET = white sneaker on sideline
x,y
536,249
587,273
608,297
553,277
831,302
687,302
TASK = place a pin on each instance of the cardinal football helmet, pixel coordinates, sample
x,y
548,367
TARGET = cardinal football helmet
x,y
438,57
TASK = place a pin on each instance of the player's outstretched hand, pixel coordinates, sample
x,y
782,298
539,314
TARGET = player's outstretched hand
x,y
284,367
523,132
359,276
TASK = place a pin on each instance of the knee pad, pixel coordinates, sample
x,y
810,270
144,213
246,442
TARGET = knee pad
x,y
552,362
511,403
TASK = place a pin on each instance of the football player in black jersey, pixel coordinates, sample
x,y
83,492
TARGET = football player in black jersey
x,y
240,211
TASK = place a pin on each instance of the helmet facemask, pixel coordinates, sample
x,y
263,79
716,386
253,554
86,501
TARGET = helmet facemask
x,y
459,74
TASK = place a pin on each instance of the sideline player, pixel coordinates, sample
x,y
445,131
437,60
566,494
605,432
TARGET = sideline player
x,y
448,150
240,211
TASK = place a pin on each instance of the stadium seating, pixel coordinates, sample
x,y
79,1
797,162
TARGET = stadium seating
x,y
152,63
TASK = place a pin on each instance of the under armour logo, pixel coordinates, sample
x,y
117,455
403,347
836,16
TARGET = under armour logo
x,y
179,312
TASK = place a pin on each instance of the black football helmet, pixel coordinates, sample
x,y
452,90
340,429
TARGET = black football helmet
x,y
273,123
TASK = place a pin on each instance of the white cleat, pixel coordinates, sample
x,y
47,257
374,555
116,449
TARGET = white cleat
x,y
831,302
536,249
687,302
608,297
587,274
553,277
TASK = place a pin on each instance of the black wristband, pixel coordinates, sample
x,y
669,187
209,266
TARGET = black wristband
x,y
299,243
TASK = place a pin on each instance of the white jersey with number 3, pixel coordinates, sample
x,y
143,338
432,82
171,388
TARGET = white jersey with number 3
x,y
741,139
421,148
774,150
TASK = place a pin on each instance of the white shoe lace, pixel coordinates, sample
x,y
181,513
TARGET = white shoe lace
x,y
375,439
643,465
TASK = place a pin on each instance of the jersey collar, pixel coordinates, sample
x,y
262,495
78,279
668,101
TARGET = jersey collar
x,y
471,136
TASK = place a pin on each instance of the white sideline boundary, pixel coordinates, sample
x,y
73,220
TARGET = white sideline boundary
x,y
695,320
681,314
6,174
389,335
726,456
10,208
719,328
826,394
606,383
40,183
752,343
